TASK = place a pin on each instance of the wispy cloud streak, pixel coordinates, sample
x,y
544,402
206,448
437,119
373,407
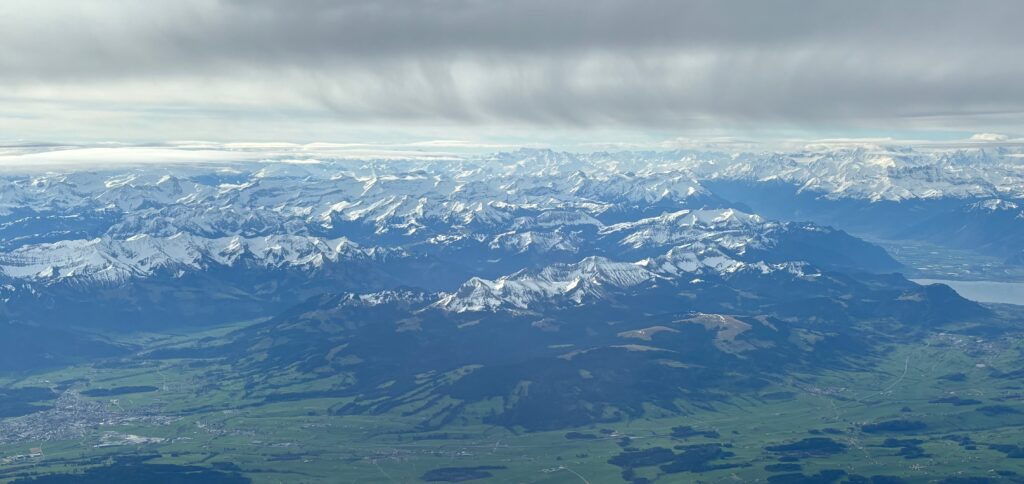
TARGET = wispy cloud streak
x,y
131,66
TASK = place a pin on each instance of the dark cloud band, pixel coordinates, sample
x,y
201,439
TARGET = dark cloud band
x,y
595,62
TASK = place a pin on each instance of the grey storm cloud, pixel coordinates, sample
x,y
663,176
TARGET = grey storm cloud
x,y
536,62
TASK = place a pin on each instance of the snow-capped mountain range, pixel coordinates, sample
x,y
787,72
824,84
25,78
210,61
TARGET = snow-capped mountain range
x,y
515,225
113,261
884,173
595,278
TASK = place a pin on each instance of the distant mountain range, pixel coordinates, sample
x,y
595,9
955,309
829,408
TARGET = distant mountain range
x,y
554,252
159,243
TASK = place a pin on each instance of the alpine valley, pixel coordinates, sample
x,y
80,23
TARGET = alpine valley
x,y
524,316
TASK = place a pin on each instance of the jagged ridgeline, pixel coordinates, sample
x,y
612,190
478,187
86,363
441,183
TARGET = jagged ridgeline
x,y
152,247
533,289
576,344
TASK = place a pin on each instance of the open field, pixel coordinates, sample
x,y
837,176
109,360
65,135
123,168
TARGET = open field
x,y
951,405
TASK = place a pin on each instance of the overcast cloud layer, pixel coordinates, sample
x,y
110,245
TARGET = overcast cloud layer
x,y
221,69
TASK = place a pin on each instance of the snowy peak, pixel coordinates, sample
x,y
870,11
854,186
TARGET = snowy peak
x,y
994,205
115,261
881,173
728,227
598,278
507,211
593,277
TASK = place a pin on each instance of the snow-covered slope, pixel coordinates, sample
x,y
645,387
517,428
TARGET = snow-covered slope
x,y
868,172
585,280
113,261
596,278
433,224
728,227
883,173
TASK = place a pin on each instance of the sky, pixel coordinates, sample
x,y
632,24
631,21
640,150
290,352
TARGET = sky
x,y
508,73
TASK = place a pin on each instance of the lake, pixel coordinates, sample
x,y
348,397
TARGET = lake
x,y
984,291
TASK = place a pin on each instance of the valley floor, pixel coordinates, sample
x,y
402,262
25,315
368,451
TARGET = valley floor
x,y
925,260
949,407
